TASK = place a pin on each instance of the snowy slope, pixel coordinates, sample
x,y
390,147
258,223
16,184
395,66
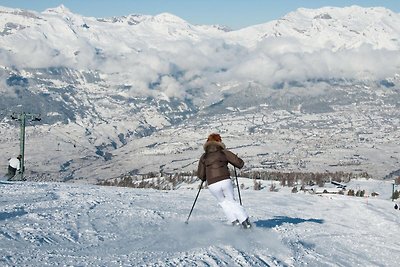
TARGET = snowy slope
x,y
51,224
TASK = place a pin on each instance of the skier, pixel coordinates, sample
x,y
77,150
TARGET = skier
x,y
213,168
13,166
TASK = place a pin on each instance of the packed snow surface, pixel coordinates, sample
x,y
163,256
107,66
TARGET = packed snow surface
x,y
65,224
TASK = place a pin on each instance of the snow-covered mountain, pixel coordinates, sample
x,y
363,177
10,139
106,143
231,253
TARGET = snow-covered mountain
x,y
315,90
330,28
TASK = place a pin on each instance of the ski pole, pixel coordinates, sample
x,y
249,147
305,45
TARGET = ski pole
x,y
237,184
201,185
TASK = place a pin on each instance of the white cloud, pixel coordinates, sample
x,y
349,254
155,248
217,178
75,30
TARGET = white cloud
x,y
171,87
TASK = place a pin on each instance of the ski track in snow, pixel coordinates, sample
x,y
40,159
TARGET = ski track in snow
x,y
53,224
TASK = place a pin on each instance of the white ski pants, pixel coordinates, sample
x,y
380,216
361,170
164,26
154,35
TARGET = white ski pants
x,y
223,192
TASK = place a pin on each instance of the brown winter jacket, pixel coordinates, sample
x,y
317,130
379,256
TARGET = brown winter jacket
x,y
213,164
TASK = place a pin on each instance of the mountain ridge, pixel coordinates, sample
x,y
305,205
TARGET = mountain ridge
x,y
112,87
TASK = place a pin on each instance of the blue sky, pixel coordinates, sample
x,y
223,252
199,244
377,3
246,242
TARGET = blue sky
x,y
233,13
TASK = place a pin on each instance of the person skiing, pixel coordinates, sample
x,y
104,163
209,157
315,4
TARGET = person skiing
x,y
213,168
13,166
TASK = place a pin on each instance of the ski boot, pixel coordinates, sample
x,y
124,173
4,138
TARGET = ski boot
x,y
236,222
246,224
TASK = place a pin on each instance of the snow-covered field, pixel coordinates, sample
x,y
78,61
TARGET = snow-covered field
x,y
65,224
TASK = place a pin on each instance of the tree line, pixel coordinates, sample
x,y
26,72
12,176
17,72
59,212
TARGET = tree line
x,y
165,181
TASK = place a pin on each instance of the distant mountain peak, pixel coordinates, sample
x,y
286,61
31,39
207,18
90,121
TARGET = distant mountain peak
x,y
61,9
134,19
330,11
168,17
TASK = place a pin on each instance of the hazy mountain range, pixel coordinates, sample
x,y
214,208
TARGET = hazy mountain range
x,y
316,90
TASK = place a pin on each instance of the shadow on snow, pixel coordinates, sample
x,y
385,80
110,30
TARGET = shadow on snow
x,y
12,214
279,220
